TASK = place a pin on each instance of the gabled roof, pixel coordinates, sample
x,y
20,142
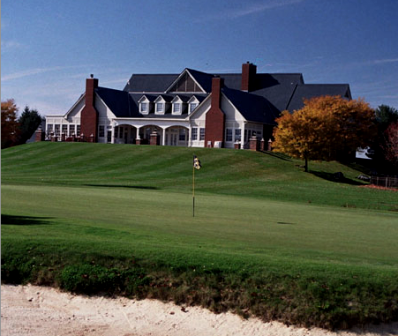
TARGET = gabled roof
x,y
204,79
150,83
252,107
309,91
118,101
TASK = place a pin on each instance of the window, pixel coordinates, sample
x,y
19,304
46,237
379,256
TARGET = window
x,y
101,131
228,134
64,129
121,132
192,107
194,133
237,134
182,134
78,130
71,130
159,107
57,129
49,128
177,108
144,108
202,134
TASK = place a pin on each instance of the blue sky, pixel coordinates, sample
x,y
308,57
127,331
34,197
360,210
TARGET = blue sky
x,y
49,48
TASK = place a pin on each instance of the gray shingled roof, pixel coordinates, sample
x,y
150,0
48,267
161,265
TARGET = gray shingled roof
x,y
316,90
118,101
252,107
272,93
150,83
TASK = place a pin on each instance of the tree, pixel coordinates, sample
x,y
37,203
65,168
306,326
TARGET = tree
x,y
385,117
391,144
28,123
326,128
9,124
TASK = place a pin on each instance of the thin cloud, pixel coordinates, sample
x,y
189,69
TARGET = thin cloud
x,y
251,9
34,71
385,61
7,46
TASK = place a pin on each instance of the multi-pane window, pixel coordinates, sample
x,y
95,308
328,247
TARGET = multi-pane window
x,y
71,130
182,134
78,130
49,128
159,107
194,133
57,129
65,129
101,131
144,107
238,134
192,106
177,108
202,134
228,134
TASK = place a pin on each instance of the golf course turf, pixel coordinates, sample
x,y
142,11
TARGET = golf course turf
x,y
267,239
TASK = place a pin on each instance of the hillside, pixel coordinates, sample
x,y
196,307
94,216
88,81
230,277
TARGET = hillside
x,y
229,172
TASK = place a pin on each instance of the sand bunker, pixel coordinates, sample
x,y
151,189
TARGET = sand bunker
x,y
42,311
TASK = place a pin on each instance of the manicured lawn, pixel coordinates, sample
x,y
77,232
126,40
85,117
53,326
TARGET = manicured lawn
x,y
266,238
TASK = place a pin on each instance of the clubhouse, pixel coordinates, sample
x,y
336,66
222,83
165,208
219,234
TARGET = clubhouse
x,y
192,108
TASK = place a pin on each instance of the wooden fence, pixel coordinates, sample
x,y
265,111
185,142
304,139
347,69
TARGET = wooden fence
x,y
384,181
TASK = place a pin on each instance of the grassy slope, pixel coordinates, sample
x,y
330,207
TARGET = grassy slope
x,y
255,232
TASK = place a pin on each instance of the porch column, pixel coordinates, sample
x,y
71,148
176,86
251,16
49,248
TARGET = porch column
x,y
138,138
189,136
163,137
242,137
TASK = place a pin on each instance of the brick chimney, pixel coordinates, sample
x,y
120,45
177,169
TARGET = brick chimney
x,y
89,115
215,117
249,71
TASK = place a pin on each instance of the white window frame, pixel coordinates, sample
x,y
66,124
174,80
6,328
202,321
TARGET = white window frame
x,y
193,103
202,133
194,133
175,109
142,109
144,100
229,135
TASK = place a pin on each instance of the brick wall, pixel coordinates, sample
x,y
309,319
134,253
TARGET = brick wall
x,y
215,118
89,115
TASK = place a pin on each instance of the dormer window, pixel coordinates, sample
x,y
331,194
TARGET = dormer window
x,y
144,108
193,103
159,108
177,106
192,107
144,105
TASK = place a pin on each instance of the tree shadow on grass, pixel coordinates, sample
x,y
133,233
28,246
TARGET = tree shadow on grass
x,y
335,177
24,220
121,186
278,155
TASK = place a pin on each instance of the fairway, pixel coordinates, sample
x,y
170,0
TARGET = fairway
x,y
324,263
262,232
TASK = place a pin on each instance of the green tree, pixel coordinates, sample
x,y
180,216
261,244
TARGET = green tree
x,y
9,124
28,123
326,128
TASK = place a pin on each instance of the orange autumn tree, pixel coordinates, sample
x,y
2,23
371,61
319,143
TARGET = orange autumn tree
x,y
326,128
9,124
